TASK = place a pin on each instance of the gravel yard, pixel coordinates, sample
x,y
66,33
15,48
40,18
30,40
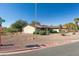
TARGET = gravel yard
x,y
21,40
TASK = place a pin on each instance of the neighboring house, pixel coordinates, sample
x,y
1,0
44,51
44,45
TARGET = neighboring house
x,y
31,29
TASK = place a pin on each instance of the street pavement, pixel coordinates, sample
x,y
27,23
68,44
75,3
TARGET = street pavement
x,y
65,50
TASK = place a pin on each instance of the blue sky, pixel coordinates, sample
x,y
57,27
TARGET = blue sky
x,y
50,14
13,12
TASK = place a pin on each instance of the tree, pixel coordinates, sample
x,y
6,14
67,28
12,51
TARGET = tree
x,y
18,25
70,26
1,20
35,23
76,22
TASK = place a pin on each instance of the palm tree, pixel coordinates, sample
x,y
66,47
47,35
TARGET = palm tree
x,y
76,22
70,26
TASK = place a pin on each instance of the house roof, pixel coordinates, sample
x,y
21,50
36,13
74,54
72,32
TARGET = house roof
x,y
52,27
46,26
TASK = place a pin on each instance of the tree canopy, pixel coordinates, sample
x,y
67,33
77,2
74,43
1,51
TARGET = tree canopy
x,y
76,19
18,25
70,26
35,23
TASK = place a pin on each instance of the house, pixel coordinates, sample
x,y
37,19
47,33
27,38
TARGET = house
x,y
31,29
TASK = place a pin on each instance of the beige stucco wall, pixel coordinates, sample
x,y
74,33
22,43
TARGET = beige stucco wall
x,y
29,29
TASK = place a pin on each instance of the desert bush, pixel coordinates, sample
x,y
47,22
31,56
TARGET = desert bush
x,y
73,33
63,34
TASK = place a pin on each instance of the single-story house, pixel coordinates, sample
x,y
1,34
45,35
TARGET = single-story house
x,y
31,29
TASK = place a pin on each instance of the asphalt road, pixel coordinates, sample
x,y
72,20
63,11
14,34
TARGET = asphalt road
x,y
65,50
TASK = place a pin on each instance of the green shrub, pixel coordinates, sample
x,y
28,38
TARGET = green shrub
x,y
44,32
52,31
7,30
41,32
36,32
